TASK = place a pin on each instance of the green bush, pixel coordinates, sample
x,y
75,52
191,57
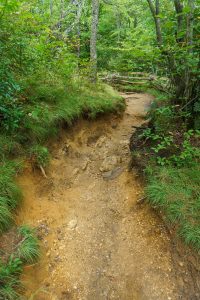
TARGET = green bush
x,y
168,152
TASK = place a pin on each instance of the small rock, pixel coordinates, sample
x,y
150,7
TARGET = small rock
x,y
85,164
100,141
72,224
109,163
181,264
76,171
57,258
114,126
116,172
48,254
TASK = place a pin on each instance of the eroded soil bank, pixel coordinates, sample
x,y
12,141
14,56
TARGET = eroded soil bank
x,y
97,241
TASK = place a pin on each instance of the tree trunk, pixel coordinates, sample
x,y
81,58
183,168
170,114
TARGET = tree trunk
x,y
180,20
189,83
135,23
93,39
51,7
190,24
155,12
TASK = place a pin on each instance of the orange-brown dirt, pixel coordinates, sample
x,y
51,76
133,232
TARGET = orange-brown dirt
x,y
98,241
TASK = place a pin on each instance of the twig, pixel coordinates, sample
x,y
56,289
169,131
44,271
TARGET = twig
x,y
141,200
21,242
43,171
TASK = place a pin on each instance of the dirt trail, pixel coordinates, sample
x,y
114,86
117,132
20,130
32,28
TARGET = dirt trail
x,y
98,243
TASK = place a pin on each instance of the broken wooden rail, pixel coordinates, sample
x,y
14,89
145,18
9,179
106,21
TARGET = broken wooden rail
x,y
137,78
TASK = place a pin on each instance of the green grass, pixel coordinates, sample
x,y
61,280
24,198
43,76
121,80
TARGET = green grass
x,y
6,218
176,191
8,146
8,187
9,278
28,250
135,88
10,193
51,103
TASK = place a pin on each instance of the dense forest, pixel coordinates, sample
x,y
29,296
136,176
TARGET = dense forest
x,y
66,59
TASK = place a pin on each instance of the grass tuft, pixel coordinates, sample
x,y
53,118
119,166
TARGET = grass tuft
x,y
6,219
8,188
177,193
28,250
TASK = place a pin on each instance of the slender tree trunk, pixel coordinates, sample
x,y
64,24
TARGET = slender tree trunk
x,y
190,24
93,39
80,6
155,10
189,83
180,20
118,22
158,23
51,7
42,7
61,9
135,24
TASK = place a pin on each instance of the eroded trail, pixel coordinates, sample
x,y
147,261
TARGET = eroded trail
x,y
97,242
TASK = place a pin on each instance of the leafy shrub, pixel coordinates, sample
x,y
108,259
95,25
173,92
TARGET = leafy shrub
x,y
163,118
173,153
11,111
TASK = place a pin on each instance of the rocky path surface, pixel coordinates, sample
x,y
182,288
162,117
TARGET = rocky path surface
x,y
98,242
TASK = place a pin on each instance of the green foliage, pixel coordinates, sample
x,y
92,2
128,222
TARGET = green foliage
x,y
5,215
9,146
40,155
28,250
9,278
10,192
177,193
168,152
